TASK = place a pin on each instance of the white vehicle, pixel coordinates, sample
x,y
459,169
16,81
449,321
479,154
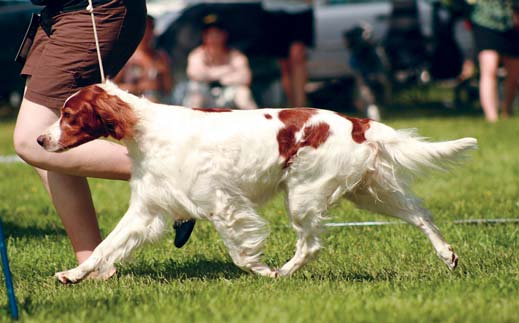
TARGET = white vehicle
x,y
329,57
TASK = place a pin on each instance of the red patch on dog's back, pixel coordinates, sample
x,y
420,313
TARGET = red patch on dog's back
x,y
213,109
267,116
360,126
315,135
296,117
294,120
287,143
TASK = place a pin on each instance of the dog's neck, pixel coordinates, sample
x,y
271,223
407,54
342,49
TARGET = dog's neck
x,y
139,106
132,100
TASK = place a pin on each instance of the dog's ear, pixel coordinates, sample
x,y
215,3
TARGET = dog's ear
x,y
116,115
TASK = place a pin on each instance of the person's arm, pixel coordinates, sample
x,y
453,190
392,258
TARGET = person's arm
x,y
240,73
197,70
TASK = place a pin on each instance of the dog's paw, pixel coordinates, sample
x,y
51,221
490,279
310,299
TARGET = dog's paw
x,y
450,258
453,262
275,274
69,277
102,275
263,270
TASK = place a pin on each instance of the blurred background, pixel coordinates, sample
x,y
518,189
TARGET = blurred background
x,y
362,53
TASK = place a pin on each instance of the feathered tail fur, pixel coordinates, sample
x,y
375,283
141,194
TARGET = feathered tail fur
x,y
401,153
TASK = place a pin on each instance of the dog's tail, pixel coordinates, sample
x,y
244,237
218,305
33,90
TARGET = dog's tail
x,y
407,151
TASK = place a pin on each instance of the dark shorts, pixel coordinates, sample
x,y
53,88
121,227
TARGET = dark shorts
x,y
504,42
282,29
65,61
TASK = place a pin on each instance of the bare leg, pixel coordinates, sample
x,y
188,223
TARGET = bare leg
x,y
489,62
286,80
73,202
299,73
511,84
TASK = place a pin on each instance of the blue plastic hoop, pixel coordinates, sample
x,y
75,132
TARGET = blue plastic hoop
x,y
7,274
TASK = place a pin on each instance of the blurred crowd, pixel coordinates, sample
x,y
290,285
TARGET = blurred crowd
x,y
220,76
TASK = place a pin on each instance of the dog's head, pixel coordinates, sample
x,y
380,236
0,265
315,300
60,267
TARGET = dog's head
x,y
89,114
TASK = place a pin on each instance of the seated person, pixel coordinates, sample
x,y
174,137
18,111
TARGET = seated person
x,y
219,76
148,71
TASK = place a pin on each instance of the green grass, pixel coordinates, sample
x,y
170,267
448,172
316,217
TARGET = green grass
x,y
371,274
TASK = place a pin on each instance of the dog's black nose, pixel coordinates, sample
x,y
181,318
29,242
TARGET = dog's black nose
x,y
41,140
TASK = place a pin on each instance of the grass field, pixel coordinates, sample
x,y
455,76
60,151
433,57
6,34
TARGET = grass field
x,y
369,274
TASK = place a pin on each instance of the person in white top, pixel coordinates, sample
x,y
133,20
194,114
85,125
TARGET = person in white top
x,y
290,27
219,76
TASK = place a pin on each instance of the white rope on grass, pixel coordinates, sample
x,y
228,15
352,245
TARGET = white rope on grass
x,y
362,224
90,8
379,223
10,159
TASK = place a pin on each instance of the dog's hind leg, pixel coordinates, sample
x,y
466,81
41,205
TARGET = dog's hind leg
x,y
133,229
306,208
243,232
408,208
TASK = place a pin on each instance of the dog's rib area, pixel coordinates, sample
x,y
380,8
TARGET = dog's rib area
x,y
312,135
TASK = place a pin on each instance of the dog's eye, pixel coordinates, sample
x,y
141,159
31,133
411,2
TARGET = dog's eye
x,y
66,115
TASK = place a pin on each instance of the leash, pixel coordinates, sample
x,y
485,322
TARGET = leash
x,y
90,8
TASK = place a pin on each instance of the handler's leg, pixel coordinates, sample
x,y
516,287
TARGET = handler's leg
x,y
72,200
98,158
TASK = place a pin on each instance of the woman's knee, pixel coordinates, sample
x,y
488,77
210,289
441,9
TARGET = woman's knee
x,y
25,146
32,121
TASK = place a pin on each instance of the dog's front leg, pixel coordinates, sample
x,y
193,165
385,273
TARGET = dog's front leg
x,y
135,227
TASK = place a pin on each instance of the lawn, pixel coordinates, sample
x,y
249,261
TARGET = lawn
x,y
365,274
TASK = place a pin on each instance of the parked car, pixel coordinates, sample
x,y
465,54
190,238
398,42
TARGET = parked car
x,y
15,16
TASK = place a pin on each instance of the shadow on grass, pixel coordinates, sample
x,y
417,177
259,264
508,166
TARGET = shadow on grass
x,y
192,269
18,231
206,269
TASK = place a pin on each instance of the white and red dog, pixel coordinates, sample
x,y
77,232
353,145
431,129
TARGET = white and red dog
x,y
220,164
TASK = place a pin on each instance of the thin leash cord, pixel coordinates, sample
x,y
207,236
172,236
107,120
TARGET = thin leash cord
x,y
101,69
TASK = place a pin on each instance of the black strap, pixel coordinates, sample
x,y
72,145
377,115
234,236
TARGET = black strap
x,y
28,39
53,8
